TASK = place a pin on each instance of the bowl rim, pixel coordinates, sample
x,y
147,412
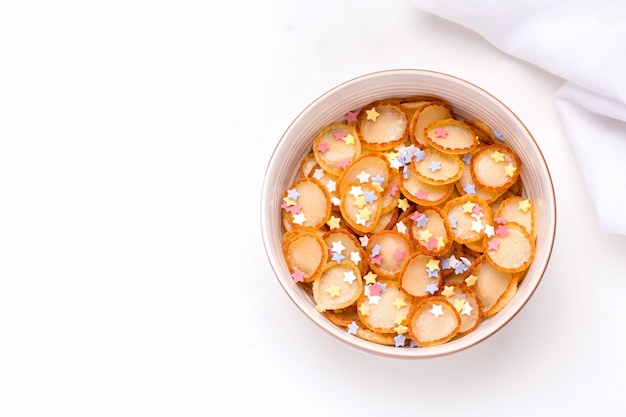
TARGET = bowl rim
x,y
454,346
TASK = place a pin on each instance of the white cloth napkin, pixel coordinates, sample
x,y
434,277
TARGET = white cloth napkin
x,y
583,42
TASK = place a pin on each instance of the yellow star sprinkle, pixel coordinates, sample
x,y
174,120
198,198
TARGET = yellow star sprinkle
x,y
440,243
448,290
360,201
377,187
509,170
333,222
334,290
468,207
399,303
497,156
365,213
399,318
364,310
524,206
459,304
471,280
370,278
401,329
403,203
432,264
289,201
348,139
391,156
372,114
424,235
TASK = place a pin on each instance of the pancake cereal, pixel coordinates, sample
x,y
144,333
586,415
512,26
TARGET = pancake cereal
x,y
408,225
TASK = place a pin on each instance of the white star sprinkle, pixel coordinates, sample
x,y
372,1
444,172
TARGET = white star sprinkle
x,y
437,310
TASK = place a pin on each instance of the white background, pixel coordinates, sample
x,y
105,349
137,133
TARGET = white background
x,y
134,136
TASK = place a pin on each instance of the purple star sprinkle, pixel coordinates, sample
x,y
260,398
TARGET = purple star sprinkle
x,y
337,257
469,189
467,158
399,339
353,327
498,134
293,194
418,154
376,250
431,288
370,197
434,166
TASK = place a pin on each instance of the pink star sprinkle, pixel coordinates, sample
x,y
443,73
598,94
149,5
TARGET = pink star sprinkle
x,y
500,220
441,132
298,276
493,244
376,260
394,190
323,147
416,216
343,164
432,243
422,194
399,254
502,231
291,209
375,289
476,209
351,116
340,135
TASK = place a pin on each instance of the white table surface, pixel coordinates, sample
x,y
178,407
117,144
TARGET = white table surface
x,y
133,280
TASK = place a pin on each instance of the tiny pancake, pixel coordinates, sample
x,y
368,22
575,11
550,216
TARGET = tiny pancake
x,y
465,185
330,181
450,136
438,168
367,168
343,317
431,230
335,146
339,286
361,207
467,304
387,339
422,193
342,244
420,276
424,116
308,203
384,306
307,164
469,216
387,252
433,321
382,126
413,103
495,167
511,249
493,287
305,253
518,210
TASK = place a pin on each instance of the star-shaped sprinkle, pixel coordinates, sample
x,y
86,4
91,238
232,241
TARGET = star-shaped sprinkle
x,y
376,260
343,164
355,257
448,290
364,309
467,310
400,317
394,190
503,231
333,290
500,220
498,134
424,235
401,227
418,155
432,264
353,327
370,197
477,226
335,200
299,219
400,329
333,222
323,146
434,166
365,213
467,158
422,194
364,241
399,340
433,243
298,276
441,132
437,310
372,114
399,254
337,257
375,289
339,135
493,244
399,303
360,201
524,206
349,277
293,194
349,140
360,220
460,267
376,249
459,304
431,288
338,246
363,177
468,207
433,273
355,191
370,277
497,156
318,174
453,222
331,186
509,170
378,179
489,231
469,188
403,203
351,116
471,280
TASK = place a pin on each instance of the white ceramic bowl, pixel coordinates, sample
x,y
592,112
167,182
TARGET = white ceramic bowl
x,y
468,101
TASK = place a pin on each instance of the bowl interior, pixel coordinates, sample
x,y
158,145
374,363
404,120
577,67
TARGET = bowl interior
x,y
468,101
